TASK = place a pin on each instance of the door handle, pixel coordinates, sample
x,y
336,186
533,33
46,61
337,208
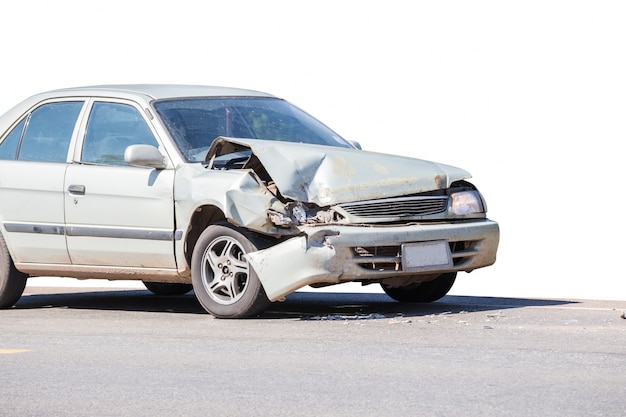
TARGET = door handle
x,y
76,189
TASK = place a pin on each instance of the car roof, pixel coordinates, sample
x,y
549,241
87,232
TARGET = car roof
x,y
159,91
145,92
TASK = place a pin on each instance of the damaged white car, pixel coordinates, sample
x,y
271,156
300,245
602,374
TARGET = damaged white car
x,y
233,193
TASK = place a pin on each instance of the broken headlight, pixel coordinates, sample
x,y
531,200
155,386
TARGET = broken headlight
x,y
297,213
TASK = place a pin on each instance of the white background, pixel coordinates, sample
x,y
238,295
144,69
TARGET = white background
x,y
529,96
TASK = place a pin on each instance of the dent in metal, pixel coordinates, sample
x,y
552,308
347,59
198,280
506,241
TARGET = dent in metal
x,y
327,175
325,255
239,194
257,196
246,203
300,265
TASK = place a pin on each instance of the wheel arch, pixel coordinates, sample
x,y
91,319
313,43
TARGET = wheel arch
x,y
202,217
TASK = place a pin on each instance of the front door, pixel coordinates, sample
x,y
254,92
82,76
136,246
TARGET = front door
x,y
118,215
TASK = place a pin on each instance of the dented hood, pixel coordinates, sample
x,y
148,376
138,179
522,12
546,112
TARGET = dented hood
x,y
327,175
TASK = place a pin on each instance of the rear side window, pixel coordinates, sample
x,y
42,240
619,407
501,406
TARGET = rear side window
x,y
49,131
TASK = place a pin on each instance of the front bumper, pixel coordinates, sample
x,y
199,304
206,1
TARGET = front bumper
x,y
333,254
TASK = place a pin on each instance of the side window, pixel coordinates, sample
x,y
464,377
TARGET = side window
x,y
111,128
49,131
8,147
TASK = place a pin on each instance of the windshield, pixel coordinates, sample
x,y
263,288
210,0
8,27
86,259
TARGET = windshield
x,y
195,122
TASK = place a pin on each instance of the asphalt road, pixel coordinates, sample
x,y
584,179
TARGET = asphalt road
x,y
107,352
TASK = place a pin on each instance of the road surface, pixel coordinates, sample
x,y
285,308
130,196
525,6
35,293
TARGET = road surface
x,y
125,352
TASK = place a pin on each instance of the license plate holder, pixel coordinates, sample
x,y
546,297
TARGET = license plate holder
x,y
429,256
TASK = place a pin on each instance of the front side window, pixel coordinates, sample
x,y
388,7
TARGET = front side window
x,y
49,131
111,128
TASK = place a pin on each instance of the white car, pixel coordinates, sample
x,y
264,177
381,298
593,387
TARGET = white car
x,y
236,194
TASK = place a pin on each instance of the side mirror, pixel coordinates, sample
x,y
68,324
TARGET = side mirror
x,y
356,144
146,156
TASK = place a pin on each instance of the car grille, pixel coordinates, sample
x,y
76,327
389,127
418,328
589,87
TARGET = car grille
x,y
397,207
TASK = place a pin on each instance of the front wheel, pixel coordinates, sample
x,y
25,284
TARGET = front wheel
x,y
224,282
422,292
12,281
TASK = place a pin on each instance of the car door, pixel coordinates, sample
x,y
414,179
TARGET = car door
x,y
118,215
33,160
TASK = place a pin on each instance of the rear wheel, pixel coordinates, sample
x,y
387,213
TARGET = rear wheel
x,y
422,292
12,281
166,288
224,282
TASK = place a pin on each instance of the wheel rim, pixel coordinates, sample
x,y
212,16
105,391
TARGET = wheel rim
x,y
224,270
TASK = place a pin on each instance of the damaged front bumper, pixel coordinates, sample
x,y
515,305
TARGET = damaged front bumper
x,y
333,254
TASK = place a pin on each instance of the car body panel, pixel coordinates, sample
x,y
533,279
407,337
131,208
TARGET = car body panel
x,y
327,175
123,217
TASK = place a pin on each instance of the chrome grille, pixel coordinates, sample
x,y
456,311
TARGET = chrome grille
x,y
397,207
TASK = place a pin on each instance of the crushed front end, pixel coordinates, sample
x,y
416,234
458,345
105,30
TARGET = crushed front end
x,y
343,215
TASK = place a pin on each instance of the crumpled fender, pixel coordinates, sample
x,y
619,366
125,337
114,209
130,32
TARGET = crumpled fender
x,y
238,193
246,204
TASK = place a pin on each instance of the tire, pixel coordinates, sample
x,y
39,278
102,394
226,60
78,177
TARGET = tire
x,y
224,283
423,292
12,281
166,288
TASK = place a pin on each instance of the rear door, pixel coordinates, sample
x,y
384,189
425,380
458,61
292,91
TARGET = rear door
x,y
118,215
33,160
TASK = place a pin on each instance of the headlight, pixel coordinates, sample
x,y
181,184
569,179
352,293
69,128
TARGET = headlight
x,y
467,202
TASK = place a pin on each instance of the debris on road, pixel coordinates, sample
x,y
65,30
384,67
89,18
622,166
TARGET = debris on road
x,y
331,317
495,315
